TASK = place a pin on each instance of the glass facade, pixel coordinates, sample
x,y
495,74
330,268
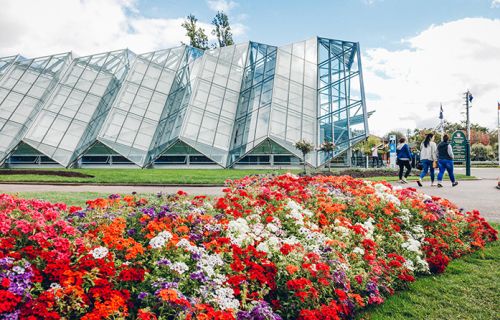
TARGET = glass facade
x,y
240,105
24,88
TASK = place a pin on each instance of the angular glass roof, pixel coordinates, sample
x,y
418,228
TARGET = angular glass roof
x,y
69,122
24,88
224,103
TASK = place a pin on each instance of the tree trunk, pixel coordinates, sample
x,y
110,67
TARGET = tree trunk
x,y
304,160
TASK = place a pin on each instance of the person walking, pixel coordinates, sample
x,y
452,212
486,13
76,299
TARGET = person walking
x,y
375,159
445,161
428,158
403,159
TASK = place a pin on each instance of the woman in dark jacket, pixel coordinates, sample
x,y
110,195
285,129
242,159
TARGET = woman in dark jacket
x,y
404,158
445,161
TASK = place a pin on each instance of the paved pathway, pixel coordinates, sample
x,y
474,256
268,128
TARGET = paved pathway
x,y
477,194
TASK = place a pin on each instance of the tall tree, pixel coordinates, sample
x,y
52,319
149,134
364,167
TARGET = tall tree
x,y
196,35
222,29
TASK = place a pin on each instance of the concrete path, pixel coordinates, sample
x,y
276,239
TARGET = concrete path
x,y
478,194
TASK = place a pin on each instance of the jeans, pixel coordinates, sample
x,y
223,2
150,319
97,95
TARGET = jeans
x,y
446,165
426,165
402,164
374,161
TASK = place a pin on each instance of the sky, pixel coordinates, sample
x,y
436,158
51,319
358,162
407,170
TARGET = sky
x,y
416,54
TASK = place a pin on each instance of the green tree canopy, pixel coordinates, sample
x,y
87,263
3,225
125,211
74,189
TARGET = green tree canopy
x,y
222,29
197,37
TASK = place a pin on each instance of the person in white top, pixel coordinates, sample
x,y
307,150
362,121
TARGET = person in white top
x,y
375,158
428,154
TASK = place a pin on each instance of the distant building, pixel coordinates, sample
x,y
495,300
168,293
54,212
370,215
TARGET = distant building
x,y
245,104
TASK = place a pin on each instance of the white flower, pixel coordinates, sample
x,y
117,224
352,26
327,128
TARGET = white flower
x,y
179,267
165,235
272,227
225,299
55,286
157,242
18,269
184,243
411,245
263,247
99,252
359,250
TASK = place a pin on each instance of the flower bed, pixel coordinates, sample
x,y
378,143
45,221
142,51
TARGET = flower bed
x,y
271,248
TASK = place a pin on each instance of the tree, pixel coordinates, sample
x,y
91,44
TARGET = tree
x,y
197,37
222,30
480,152
305,147
328,148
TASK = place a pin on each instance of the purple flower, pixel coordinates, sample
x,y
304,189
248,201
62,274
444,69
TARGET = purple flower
x,y
198,275
131,232
164,262
194,236
142,295
261,311
114,196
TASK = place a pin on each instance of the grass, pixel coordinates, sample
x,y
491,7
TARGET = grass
x,y
145,176
160,176
468,289
70,198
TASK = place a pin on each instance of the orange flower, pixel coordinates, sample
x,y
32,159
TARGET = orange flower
x,y
183,229
291,269
168,294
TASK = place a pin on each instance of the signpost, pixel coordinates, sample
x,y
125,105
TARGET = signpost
x,y
392,150
459,145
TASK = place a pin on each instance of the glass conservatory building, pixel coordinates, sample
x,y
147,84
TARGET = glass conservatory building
x,y
240,105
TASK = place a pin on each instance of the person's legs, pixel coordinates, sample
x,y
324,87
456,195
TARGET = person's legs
x,y
374,159
425,168
401,166
408,168
442,169
449,168
432,172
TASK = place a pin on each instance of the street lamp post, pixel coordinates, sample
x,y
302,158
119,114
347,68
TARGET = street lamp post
x,y
468,100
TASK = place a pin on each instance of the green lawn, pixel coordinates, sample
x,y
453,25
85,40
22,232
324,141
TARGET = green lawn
x,y
70,198
144,176
468,289
159,176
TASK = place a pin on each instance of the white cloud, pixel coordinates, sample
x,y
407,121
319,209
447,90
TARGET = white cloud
x,y
221,5
406,86
35,28
495,3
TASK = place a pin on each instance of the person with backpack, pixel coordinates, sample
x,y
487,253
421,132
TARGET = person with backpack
x,y
445,161
428,155
403,159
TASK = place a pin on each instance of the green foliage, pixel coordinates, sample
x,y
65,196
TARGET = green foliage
x,y
222,29
469,289
197,37
480,152
144,176
304,146
366,146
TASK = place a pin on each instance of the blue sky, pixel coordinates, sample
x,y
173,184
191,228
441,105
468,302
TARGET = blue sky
x,y
416,54
376,23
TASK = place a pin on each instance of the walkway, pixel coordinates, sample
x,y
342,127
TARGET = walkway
x,y
476,194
